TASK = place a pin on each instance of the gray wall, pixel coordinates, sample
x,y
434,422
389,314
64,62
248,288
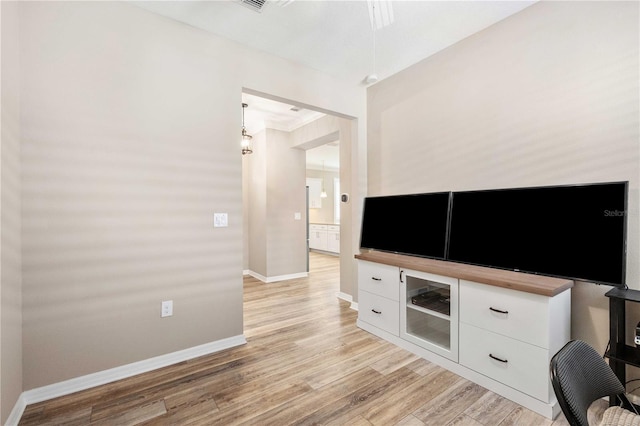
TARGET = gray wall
x,y
548,96
10,256
286,236
276,187
129,145
256,208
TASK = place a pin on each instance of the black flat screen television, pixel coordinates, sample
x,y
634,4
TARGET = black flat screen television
x,y
576,232
413,224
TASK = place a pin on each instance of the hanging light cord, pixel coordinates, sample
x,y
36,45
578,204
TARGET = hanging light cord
x,y
374,37
243,107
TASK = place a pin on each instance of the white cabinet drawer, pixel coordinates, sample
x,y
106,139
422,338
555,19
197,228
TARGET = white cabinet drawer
x,y
317,227
516,314
524,367
379,279
379,312
333,228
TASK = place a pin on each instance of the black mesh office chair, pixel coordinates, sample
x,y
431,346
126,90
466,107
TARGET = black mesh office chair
x,y
580,376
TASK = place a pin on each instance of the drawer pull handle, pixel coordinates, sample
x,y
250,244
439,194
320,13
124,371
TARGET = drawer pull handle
x,y
376,279
498,311
498,359
376,312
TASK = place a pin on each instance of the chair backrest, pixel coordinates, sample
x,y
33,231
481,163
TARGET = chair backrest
x,y
580,376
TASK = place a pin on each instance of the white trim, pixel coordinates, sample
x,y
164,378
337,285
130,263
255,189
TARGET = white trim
x,y
88,381
18,410
257,276
287,277
549,410
246,272
344,296
330,253
347,298
278,277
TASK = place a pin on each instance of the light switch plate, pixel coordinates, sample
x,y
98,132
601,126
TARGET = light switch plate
x,y
297,216
220,220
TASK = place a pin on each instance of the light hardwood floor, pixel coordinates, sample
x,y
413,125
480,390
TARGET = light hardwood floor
x,y
305,362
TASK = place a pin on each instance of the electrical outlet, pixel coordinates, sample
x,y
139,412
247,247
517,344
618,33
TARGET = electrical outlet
x,y
167,308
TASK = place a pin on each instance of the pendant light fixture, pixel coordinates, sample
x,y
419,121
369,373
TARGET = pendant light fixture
x,y
246,137
380,15
323,194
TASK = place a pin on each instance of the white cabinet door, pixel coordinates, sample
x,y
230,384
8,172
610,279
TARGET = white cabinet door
x,y
315,188
333,238
318,237
429,312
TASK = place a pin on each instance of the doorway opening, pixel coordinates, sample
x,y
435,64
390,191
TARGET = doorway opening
x,y
295,147
323,183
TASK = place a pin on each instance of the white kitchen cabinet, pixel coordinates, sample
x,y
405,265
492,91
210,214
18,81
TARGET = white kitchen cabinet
x,y
333,238
315,188
324,237
318,237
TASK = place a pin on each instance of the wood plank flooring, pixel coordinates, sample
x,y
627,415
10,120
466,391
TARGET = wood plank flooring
x,y
305,363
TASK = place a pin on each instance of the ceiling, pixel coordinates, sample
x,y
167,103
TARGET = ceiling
x,y
261,112
336,36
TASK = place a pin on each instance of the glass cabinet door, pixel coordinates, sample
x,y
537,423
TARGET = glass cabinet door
x,y
429,312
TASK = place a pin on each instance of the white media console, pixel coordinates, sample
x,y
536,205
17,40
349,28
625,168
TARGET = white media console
x,y
496,328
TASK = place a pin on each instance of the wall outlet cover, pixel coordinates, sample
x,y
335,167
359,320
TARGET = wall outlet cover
x,y
220,220
166,308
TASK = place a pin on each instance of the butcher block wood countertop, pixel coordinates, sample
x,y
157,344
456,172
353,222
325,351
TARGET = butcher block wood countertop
x,y
536,284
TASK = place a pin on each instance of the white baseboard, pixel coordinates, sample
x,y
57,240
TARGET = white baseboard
x,y
257,276
344,296
67,387
549,410
278,277
330,253
16,413
347,298
245,272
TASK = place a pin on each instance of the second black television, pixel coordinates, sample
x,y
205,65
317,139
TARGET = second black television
x,y
576,231
415,224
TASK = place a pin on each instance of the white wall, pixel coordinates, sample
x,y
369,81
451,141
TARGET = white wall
x,y
10,256
130,143
326,213
548,96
